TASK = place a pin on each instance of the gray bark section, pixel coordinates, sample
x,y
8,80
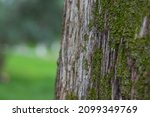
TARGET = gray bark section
x,y
71,76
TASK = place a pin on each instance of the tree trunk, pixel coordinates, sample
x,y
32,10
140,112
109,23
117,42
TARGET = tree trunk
x,y
104,50
2,59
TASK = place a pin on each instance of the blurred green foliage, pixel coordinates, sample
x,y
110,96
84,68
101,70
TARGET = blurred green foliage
x,y
28,78
30,20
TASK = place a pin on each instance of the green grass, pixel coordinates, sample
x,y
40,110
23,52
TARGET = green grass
x,y
30,78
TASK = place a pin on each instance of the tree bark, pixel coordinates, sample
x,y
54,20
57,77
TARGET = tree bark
x,y
104,50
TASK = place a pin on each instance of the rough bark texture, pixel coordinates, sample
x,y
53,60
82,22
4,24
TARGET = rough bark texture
x,y
104,50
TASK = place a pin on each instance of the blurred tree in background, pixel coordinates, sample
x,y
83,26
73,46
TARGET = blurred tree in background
x,y
29,22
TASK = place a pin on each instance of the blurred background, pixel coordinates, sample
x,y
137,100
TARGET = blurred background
x,y
29,47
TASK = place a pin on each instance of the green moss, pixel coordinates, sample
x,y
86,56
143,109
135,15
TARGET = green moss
x,y
86,37
101,88
101,85
96,65
92,94
90,25
140,52
85,64
123,20
105,88
71,96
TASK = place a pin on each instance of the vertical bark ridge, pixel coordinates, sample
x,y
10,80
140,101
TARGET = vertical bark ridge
x,y
71,75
